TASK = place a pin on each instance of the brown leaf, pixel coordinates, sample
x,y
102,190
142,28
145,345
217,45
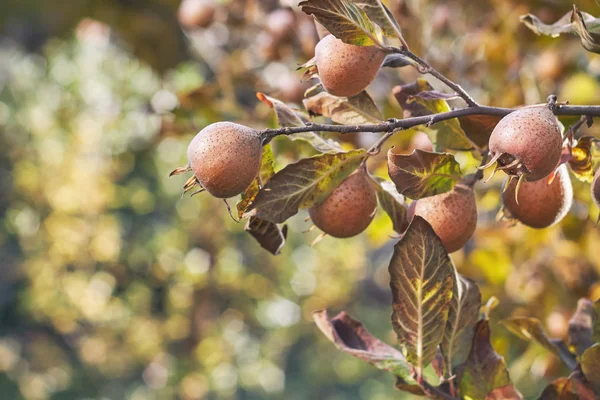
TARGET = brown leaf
x,y
589,40
479,127
581,326
508,392
422,173
350,336
421,279
560,389
355,110
581,387
269,235
563,25
484,370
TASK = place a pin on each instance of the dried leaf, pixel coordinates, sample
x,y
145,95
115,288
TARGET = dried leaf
x,y
589,40
303,184
479,128
563,25
581,387
484,370
560,389
247,197
449,133
350,336
596,334
355,110
392,203
269,235
531,329
287,117
581,160
581,326
267,170
422,173
396,61
462,317
590,366
436,95
379,14
421,279
344,19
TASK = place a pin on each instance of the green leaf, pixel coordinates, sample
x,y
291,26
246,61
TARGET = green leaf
x,y
267,166
462,317
379,14
484,370
350,336
421,279
590,366
344,19
449,133
530,329
270,236
392,203
287,117
560,389
563,25
589,40
355,110
303,184
423,174
581,326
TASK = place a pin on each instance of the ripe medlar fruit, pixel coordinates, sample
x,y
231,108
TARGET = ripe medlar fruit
x,y
349,209
225,158
540,204
526,143
345,69
452,215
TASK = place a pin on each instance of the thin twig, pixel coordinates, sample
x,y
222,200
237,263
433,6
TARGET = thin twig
x,y
395,124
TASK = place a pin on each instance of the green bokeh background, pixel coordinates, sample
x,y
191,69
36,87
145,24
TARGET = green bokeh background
x,y
114,286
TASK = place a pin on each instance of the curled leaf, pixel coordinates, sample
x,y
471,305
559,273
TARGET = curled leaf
x,y
589,40
392,203
355,110
422,173
270,236
581,160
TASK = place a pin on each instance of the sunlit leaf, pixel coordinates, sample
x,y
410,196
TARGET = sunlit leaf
x,y
355,110
267,170
303,184
590,366
269,235
350,336
581,326
479,128
392,203
449,133
560,389
589,40
530,329
421,279
581,161
288,117
462,317
422,173
248,197
344,19
484,370
379,14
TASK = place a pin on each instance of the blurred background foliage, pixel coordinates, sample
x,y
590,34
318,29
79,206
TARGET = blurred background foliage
x,y
113,286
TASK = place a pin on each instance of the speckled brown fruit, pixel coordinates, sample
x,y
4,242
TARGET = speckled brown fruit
x,y
595,188
196,13
345,69
281,24
527,142
225,157
540,204
452,215
349,209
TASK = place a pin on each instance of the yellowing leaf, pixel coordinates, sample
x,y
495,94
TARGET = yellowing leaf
x,y
379,14
344,19
590,366
423,174
581,162
421,279
303,184
355,110
392,203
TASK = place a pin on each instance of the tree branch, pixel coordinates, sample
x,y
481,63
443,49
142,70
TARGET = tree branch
x,y
402,124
